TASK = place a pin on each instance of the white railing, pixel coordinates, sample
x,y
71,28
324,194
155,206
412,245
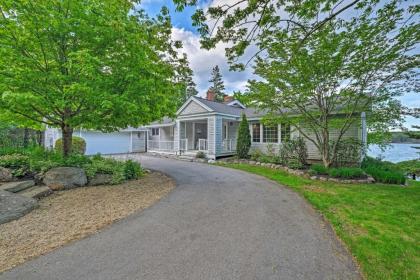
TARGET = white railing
x,y
183,144
202,144
160,145
227,145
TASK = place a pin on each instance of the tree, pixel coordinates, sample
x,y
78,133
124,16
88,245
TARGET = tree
x,y
319,70
184,78
244,138
218,86
93,64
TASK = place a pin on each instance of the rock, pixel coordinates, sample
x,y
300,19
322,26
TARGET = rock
x,y
17,186
5,174
14,206
100,179
60,178
202,160
38,178
37,192
211,161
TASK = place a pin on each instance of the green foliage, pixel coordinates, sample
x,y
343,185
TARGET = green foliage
x,y
349,152
27,162
17,162
256,154
200,154
91,64
132,170
318,169
294,153
78,145
218,86
382,171
410,166
346,173
244,138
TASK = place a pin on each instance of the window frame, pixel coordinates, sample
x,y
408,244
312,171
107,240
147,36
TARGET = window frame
x,y
285,128
274,134
258,134
155,131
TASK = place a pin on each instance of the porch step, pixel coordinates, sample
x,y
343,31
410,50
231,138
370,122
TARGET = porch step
x,y
36,192
18,186
185,158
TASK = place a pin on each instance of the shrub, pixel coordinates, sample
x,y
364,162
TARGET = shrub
x,y
294,153
318,169
200,154
383,171
256,154
17,162
243,143
346,172
78,145
132,170
106,166
349,152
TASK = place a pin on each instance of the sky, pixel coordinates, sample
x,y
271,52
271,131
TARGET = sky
x,y
202,61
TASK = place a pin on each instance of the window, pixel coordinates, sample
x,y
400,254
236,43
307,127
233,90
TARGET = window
x,y
270,134
285,132
225,131
256,132
155,131
171,131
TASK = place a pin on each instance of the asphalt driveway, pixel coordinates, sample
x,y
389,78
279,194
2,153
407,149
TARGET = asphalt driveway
x,y
218,223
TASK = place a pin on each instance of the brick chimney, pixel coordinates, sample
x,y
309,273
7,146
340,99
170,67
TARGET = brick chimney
x,y
211,95
227,98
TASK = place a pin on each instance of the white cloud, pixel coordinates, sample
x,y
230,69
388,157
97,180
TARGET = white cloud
x,y
202,61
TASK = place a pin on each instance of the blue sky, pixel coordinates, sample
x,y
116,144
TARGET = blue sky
x,y
202,61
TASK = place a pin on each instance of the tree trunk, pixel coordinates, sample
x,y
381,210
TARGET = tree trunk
x,y
325,153
25,137
40,138
67,133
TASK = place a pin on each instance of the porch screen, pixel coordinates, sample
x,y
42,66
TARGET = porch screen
x,y
270,134
256,132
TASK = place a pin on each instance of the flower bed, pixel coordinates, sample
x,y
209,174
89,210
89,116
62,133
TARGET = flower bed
x,y
302,172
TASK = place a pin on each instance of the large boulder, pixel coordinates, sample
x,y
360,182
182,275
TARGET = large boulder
x,y
5,174
14,206
60,178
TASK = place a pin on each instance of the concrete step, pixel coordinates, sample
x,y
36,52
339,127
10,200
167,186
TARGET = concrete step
x,y
18,186
36,192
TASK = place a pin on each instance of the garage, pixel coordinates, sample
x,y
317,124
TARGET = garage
x,y
114,142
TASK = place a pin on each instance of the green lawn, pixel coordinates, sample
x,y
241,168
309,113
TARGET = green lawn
x,y
379,223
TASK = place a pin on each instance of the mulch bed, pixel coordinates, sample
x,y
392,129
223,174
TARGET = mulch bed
x,y
70,215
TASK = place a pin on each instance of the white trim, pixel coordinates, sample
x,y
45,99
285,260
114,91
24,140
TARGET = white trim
x,y
193,135
192,98
235,117
236,102
159,125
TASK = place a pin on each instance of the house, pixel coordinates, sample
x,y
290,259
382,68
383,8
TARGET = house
x,y
201,124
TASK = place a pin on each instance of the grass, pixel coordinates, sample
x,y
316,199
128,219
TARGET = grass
x,y
379,223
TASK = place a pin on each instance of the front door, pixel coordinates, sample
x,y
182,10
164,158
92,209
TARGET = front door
x,y
200,133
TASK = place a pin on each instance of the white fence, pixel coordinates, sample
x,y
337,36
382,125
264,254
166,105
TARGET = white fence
x,y
202,144
228,145
160,145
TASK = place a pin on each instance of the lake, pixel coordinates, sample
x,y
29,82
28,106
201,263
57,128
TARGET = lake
x,y
395,152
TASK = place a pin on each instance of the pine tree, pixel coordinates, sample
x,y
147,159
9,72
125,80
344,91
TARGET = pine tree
x,y
191,90
244,138
218,87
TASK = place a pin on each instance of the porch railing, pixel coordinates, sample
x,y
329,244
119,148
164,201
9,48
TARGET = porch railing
x,y
183,144
160,145
202,144
228,145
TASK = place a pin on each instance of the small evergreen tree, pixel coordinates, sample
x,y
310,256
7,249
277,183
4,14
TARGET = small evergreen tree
x,y
218,87
244,138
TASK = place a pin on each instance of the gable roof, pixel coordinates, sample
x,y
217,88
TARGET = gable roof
x,y
220,107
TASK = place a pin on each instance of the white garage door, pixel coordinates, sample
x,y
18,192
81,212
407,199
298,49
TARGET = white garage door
x,y
139,141
106,143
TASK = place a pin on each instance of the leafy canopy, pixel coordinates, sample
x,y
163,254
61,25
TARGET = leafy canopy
x,y
96,64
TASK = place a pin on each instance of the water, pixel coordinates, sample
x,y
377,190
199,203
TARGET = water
x,y
395,152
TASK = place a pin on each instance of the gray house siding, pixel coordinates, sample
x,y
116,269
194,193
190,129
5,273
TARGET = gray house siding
x,y
193,108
